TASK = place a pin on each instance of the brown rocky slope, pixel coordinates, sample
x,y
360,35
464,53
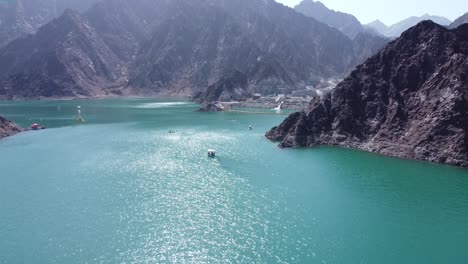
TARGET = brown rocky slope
x,y
410,101
8,128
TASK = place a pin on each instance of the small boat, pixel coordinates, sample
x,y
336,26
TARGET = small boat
x,y
250,127
36,126
211,153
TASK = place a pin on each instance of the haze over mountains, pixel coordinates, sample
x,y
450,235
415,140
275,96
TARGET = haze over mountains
x,y
346,23
20,17
460,21
366,42
396,29
177,47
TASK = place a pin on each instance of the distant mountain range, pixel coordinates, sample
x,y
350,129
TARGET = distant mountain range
x,y
365,42
177,47
460,21
395,30
410,100
346,23
20,17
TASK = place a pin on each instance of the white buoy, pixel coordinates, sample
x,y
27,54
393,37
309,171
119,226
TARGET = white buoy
x,y
79,118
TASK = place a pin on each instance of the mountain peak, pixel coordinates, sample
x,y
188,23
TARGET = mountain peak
x,y
346,23
460,21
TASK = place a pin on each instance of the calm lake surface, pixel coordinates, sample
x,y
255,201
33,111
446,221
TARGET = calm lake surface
x,y
121,189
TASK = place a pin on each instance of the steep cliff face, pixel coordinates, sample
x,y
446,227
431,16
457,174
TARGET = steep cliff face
x,y
196,44
66,58
21,17
8,128
410,100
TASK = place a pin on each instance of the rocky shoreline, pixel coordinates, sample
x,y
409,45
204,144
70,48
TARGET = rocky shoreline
x,y
8,128
408,101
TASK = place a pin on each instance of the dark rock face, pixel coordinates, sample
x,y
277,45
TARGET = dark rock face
x,y
177,47
410,100
460,21
196,45
346,23
21,17
66,58
8,128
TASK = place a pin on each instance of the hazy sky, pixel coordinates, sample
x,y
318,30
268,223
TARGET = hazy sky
x,y
392,11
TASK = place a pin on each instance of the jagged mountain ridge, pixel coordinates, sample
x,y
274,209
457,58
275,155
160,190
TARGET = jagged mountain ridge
x,y
410,100
175,47
274,46
66,58
21,17
366,41
396,29
346,23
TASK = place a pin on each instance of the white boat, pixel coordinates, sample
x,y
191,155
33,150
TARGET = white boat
x,y
211,153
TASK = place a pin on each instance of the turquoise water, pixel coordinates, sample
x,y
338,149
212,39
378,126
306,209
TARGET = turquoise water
x,y
120,189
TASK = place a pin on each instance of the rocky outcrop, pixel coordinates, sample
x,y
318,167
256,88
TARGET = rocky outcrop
x,y
460,21
21,17
8,128
396,29
410,100
212,107
229,88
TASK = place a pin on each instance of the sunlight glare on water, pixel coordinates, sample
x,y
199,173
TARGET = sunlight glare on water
x,y
121,189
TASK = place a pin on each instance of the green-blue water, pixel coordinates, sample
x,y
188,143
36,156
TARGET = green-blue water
x,y
120,189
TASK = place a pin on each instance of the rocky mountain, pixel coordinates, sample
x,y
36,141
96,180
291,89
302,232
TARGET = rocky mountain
x,y
66,58
21,17
177,47
460,21
8,128
395,30
346,23
197,45
410,100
